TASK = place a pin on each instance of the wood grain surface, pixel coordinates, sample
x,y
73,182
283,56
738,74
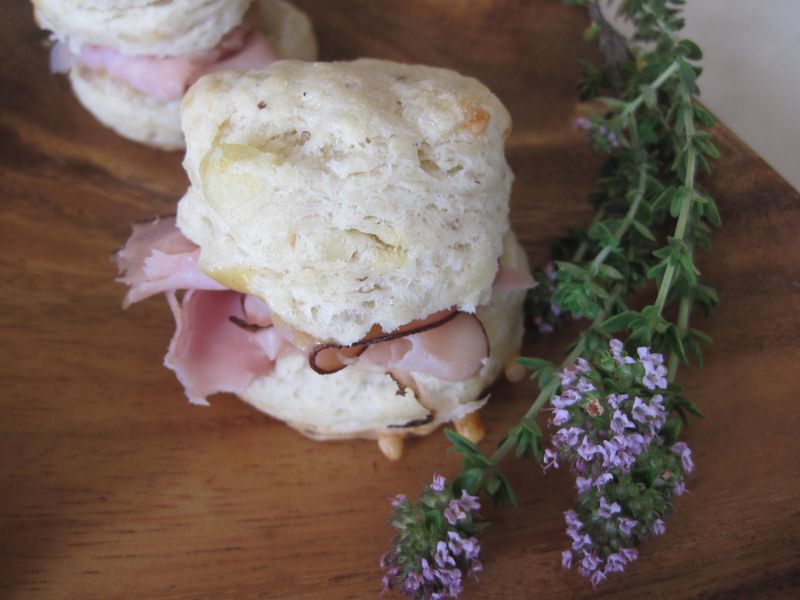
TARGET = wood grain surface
x,y
113,486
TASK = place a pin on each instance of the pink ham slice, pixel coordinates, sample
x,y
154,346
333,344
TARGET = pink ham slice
x,y
450,345
329,358
224,339
454,351
168,78
509,279
159,258
209,353
256,311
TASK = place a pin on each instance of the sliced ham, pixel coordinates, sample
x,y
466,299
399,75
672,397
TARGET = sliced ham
x,y
454,351
210,354
329,358
256,311
450,345
159,258
509,279
168,78
224,339
272,343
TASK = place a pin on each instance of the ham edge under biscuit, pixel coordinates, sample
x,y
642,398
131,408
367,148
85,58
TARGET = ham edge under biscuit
x,y
168,78
224,340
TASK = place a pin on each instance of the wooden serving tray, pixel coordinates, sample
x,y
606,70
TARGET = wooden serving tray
x,y
113,486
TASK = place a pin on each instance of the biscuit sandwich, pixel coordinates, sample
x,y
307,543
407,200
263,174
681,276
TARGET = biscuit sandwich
x,y
344,247
131,61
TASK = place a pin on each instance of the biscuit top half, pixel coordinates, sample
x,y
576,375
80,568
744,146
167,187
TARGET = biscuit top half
x,y
347,195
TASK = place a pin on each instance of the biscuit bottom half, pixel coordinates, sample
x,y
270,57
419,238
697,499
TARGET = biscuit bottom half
x,y
355,403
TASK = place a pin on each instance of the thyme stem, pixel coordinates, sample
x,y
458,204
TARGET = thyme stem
x,y
547,391
584,245
665,74
684,311
686,204
626,221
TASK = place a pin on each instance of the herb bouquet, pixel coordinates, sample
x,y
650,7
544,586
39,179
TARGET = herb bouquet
x,y
614,409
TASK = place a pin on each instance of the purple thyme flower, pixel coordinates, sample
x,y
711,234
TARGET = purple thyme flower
x,y
607,510
569,437
654,370
566,399
629,554
560,416
413,582
472,549
634,443
682,450
451,579
457,509
566,559
581,541
642,412
588,449
602,480
475,567
615,400
398,500
438,483
469,502
581,123
584,386
567,376
550,459
428,572
617,350
615,563
583,484
597,578
458,545
572,519
543,327
453,513
590,561
611,450
620,422
626,525
442,556
659,527
550,271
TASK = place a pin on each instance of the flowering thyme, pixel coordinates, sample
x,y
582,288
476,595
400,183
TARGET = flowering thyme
x,y
435,548
610,416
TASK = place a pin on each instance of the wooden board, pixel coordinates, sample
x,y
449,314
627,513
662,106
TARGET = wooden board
x,y
112,486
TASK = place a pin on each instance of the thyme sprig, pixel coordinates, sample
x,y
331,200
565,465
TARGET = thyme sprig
x,y
618,410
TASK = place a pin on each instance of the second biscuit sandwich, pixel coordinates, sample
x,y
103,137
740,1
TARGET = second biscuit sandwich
x,y
130,61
